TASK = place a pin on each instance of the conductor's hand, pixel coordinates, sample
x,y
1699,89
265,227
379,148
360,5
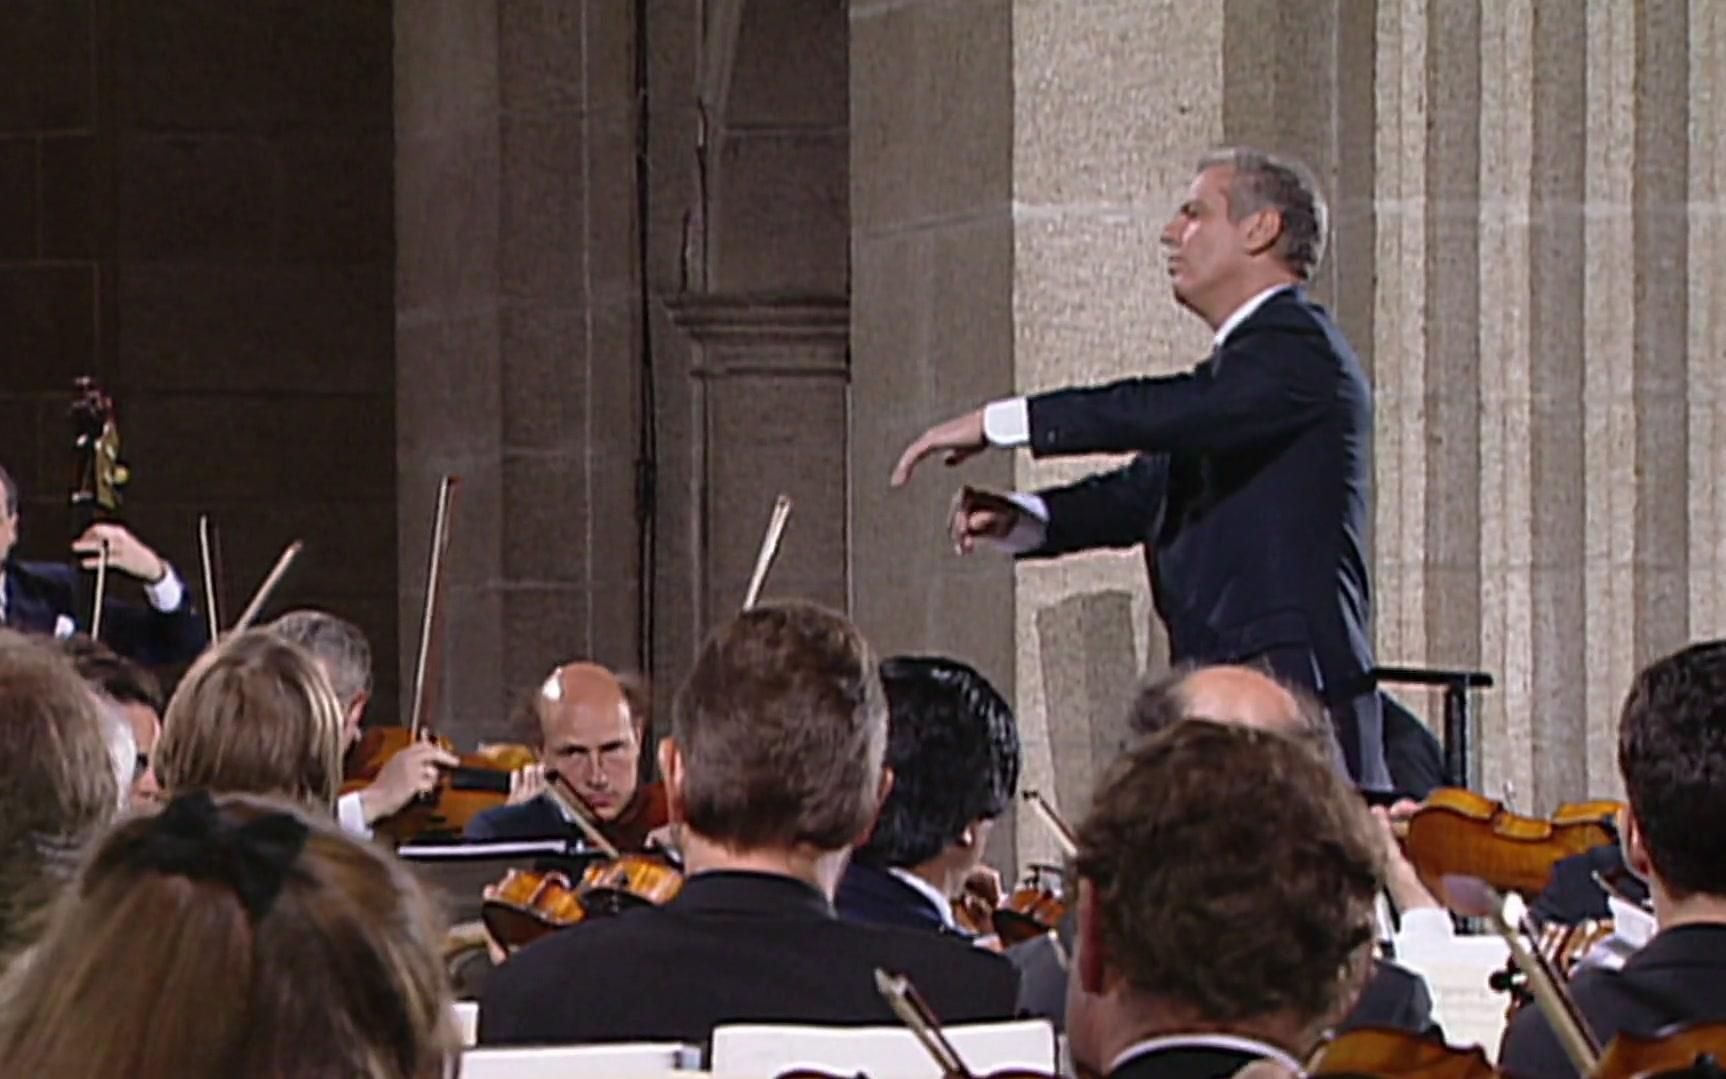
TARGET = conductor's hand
x,y
411,772
960,438
979,514
126,552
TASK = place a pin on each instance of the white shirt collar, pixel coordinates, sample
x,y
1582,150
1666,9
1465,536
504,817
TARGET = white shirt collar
x,y
943,905
1245,311
1236,1042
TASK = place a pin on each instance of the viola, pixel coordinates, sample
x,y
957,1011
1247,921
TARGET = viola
x,y
1459,832
1695,1049
527,904
1035,907
1398,1054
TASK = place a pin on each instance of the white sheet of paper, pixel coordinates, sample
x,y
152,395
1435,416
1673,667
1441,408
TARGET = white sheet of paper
x,y
1456,971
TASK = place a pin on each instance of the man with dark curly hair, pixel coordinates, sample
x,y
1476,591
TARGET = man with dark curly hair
x,y
1226,886
1672,754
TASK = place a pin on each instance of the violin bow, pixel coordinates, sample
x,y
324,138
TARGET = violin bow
x,y
101,592
431,618
262,596
769,549
573,807
914,1012
1473,897
207,564
1065,838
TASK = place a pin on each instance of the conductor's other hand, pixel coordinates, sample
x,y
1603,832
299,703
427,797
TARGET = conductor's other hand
x,y
960,438
979,514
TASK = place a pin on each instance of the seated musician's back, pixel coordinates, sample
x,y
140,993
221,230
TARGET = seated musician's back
x,y
774,767
1672,753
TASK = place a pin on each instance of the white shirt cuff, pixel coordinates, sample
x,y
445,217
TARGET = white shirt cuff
x,y
166,594
1007,423
351,813
1030,530
1426,924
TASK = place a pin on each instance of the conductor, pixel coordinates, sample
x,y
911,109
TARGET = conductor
x,y
1252,478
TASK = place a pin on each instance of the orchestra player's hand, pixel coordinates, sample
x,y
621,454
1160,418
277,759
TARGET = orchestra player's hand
x,y
960,438
979,514
984,882
526,783
1407,891
405,776
126,552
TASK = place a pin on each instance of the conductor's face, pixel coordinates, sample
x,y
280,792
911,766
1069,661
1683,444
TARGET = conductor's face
x,y
1207,253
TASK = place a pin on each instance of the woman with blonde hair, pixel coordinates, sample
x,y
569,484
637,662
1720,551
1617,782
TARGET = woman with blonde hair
x,y
255,714
235,935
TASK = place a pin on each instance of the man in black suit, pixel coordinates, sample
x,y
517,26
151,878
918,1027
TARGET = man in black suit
x,y
39,597
1211,935
774,767
954,751
1253,479
1672,754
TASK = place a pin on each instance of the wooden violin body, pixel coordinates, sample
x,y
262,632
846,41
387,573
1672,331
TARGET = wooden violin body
x,y
1463,833
480,782
1398,1054
1698,1049
526,905
1035,907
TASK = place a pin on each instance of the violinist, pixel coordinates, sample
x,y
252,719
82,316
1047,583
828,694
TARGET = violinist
x,y
1394,996
1672,755
774,768
954,751
590,735
130,692
1226,885
39,597
345,657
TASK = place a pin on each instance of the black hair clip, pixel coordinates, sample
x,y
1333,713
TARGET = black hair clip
x,y
191,838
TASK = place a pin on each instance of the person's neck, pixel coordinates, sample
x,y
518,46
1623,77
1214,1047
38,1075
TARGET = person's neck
x,y
1698,908
1132,1017
819,868
937,873
1228,299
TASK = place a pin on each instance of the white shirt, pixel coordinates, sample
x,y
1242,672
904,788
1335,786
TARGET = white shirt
x,y
1236,1042
1007,423
351,813
927,891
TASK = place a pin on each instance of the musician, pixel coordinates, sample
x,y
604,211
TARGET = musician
x,y
39,597
1225,905
1253,479
236,936
345,657
1672,755
954,751
132,693
774,767
1393,996
258,716
590,736
63,765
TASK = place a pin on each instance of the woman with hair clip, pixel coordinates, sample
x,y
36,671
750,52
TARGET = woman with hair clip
x,y
254,714
276,946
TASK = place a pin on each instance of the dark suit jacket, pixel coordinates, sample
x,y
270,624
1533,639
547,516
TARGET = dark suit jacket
x,y
874,896
1184,1062
38,594
1572,894
732,947
1394,997
536,818
1250,495
1678,977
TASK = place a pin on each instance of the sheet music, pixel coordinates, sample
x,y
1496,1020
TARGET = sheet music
x,y
1456,970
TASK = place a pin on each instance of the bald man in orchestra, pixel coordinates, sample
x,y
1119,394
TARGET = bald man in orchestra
x,y
590,736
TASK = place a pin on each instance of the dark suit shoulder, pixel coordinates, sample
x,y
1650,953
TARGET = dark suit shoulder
x,y
528,820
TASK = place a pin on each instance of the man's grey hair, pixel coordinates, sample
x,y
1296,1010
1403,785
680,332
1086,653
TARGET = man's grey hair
x,y
335,643
1161,703
1265,181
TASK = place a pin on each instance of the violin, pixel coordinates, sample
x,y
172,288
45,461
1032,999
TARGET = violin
x,y
1459,832
1035,907
1398,1054
481,781
1695,1049
526,905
